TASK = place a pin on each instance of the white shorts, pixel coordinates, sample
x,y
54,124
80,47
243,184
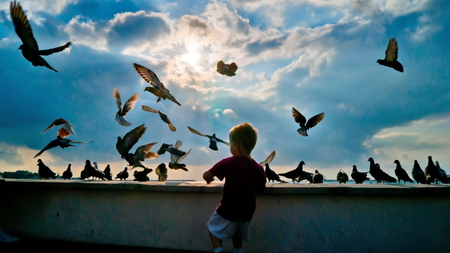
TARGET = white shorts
x,y
225,229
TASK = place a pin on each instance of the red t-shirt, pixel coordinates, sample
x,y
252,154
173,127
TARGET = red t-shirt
x,y
244,178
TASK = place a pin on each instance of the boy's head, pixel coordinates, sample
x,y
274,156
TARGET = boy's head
x,y
243,139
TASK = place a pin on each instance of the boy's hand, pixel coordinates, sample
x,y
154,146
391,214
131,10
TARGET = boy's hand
x,y
208,176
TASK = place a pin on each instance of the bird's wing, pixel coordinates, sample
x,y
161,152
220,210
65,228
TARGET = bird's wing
x,y
233,67
117,98
314,120
22,26
148,75
392,50
56,122
224,142
54,50
172,127
178,144
269,158
82,142
196,132
298,117
50,145
130,139
220,66
141,152
183,156
129,105
148,109
62,132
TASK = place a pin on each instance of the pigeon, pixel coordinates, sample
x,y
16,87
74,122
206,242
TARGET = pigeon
x,y
127,107
401,173
44,171
30,48
342,177
91,171
123,174
431,171
67,174
175,159
390,60
161,171
359,177
142,175
378,174
442,174
301,120
293,174
124,146
158,89
226,69
271,175
212,139
59,141
317,178
162,115
107,172
65,130
418,174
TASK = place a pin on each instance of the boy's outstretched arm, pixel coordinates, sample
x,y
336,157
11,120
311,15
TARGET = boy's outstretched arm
x,y
208,176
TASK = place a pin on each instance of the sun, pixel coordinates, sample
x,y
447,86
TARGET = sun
x,y
190,58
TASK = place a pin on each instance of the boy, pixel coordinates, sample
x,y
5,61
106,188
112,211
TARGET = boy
x,y
244,179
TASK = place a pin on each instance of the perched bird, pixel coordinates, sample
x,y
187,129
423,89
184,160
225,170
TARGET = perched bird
x,y
401,173
161,171
158,89
359,177
107,172
44,171
431,171
226,69
301,120
342,177
142,175
378,174
418,174
65,130
442,174
271,175
127,107
59,141
162,115
212,139
123,174
317,178
30,48
293,174
124,146
67,174
91,171
390,60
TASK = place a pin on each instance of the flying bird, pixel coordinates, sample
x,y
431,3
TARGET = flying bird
x,y
178,165
161,171
59,141
65,130
141,176
127,107
359,177
418,174
158,89
212,139
431,171
301,120
226,69
296,173
162,115
317,178
44,171
390,60
30,48
176,155
378,174
269,158
67,174
401,173
123,174
442,174
342,177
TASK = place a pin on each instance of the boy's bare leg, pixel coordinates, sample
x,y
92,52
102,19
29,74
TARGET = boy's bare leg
x,y
216,242
237,242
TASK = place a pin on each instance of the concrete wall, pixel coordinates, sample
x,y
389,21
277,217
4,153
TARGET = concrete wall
x,y
288,218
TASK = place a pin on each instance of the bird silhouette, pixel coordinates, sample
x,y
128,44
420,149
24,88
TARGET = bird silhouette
x,y
378,174
295,173
67,174
359,177
62,142
269,158
44,171
162,115
212,139
127,107
30,48
176,155
158,89
142,176
317,178
401,173
226,69
123,175
442,174
91,171
301,120
342,177
65,130
390,60
161,171
107,172
431,171
271,175
418,174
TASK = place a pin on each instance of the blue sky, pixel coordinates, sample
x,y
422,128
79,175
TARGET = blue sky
x,y
316,56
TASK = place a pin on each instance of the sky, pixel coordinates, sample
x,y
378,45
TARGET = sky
x,y
317,56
